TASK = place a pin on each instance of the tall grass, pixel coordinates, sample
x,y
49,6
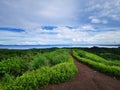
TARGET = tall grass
x,y
98,63
32,80
96,58
42,69
59,56
39,61
14,66
62,72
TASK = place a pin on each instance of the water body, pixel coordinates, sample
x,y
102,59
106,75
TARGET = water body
x,y
51,46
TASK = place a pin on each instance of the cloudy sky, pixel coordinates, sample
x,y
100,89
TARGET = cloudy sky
x,y
59,22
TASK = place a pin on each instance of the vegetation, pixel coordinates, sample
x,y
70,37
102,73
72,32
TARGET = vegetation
x,y
107,53
36,69
14,66
99,63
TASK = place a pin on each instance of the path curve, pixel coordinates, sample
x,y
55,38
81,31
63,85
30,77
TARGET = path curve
x,y
87,79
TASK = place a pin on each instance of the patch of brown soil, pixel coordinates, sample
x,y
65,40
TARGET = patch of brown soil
x,y
87,79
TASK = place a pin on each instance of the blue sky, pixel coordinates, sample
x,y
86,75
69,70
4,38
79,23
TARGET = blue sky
x,y
59,22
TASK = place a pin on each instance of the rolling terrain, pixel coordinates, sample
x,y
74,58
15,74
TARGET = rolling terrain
x,y
60,69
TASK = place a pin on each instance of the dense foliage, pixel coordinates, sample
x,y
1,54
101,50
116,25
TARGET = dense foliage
x,y
36,70
107,53
110,67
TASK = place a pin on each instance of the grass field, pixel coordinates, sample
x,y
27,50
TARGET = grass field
x,y
33,71
102,63
36,68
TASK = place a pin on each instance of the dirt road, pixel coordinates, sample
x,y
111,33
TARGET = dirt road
x,y
87,79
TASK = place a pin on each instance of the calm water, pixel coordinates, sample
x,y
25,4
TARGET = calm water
x,y
51,46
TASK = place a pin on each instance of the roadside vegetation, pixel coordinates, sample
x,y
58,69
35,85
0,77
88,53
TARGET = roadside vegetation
x,y
101,63
107,53
35,68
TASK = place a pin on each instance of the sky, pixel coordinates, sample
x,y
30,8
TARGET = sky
x,y
31,22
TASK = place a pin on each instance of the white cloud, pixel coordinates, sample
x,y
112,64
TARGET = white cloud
x,y
63,35
109,37
30,15
111,10
102,10
96,20
87,27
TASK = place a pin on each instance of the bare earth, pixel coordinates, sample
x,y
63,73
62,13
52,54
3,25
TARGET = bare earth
x,y
87,79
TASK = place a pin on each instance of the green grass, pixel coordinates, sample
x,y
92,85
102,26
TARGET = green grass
x,y
36,71
62,72
33,69
107,53
39,61
14,66
97,58
30,80
111,68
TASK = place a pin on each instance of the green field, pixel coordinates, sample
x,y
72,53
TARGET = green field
x,y
33,69
36,68
106,60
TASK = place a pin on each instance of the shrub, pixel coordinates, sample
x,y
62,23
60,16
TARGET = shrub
x,y
100,66
14,66
39,61
7,79
31,80
39,73
59,56
41,77
62,72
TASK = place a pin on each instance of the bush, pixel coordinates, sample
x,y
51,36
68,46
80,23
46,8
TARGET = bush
x,y
59,56
39,74
39,61
100,66
62,72
7,78
14,66
31,80
41,77
91,56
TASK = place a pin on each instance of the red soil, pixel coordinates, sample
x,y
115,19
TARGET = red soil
x,y
87,79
